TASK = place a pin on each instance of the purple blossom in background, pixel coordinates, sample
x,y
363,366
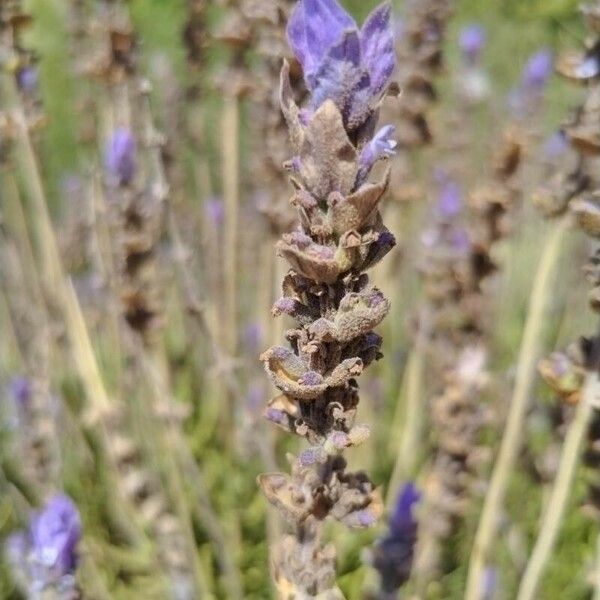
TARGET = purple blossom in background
x,y
28,79
55,532
341,63
471,40
402,520
538,69
120,156
393,555
45,555
20,391
215,211
450,199
489,583
556,145
381,146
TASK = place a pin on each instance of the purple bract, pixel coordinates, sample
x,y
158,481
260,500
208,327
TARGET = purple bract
x,y
341,62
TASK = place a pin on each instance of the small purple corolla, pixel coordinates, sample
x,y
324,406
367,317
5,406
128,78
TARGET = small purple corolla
x,y
381,146
538,69
55,532
120,156
341,63
471,40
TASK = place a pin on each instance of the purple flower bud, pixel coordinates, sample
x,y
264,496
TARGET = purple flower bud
x,y
285,305
28,79
538,69
555,145
311,378
20,391
311,456
120,156
402,519
382,145
276,416
341,63
393,555
299,239
450,199
471,41
215,211
366,518
322,252
296,164
340,440
55,532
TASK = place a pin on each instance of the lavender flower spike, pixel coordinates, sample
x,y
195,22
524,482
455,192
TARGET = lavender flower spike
x,y
55,533
120,156
393,554
381,146
341,63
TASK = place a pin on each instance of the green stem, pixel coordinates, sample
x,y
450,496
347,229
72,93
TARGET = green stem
x,y
511,440
563,485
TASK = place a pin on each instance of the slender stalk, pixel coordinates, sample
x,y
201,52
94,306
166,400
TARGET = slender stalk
x,y
407,451
597,572
230,129
511,439
555,511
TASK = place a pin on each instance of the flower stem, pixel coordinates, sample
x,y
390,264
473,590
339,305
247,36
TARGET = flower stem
x,y
230,131
563,485
511,439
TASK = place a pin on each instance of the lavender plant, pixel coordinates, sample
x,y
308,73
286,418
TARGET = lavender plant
x,y
456,349
327,291
574,375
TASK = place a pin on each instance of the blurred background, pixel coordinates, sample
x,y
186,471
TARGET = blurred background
x,y
136,297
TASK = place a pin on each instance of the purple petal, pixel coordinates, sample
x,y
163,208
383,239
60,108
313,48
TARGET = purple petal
x,y
339,76
314,27
55,533
382,145
377,47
